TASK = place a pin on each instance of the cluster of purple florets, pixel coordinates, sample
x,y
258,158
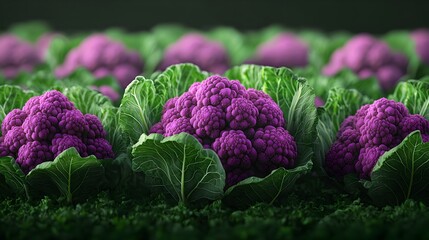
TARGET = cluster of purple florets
x,y
103,57
244,127
16,56
46,126
421,40
285,50
365,136
194,48
369,57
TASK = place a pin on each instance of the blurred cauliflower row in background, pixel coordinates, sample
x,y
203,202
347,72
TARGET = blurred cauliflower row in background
x,y
126,55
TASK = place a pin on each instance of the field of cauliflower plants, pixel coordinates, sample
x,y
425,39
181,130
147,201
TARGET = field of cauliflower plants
x,y
216,134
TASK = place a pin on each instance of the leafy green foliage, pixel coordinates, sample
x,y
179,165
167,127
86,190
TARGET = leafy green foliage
x,y
267,189
401,173
414,95
69,176
13,177
143,99
181,165
12,97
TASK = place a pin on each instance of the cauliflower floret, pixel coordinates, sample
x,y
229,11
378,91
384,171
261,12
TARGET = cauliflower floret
x,y
275,147
32,154
100,148
185,104
208,121
241,114
95,128
368,157
40,127
381,125
343,154
218,91
62,142
53,103
179,125
14,139
157,128
270,113
73,123
32,105
235,152
14,118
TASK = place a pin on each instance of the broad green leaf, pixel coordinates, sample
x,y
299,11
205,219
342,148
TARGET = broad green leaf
x,y
268,189
294,96
414,95
69,176
177,79
340,104
13,177
402,173
86,100
140,107
12,97
143,99
110,119
181,166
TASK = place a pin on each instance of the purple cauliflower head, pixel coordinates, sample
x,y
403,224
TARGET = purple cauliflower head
x,y
16,55
48,125
194,48
103,57
421,40
244,127
285,50
364,137
369,57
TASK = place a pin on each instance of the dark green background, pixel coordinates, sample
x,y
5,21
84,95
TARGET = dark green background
x,y
375,16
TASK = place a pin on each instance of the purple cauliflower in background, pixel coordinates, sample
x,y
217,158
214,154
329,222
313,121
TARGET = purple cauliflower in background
x,y
369,57
194,48
244,127
285,50
16,56
103,57
318,102
421,39
107,91
46,126
373,130
43,43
